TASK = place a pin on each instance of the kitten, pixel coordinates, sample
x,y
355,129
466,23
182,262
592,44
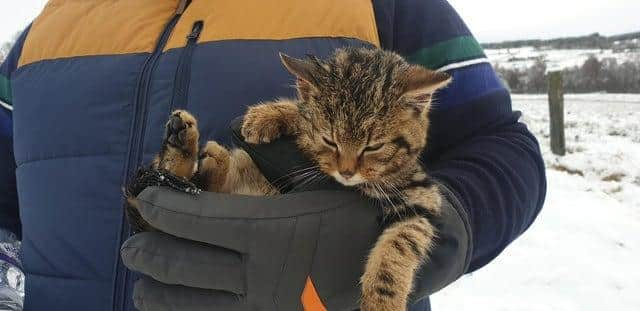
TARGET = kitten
x,y
362,117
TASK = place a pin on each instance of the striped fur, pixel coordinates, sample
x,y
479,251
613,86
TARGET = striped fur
x,y
362,117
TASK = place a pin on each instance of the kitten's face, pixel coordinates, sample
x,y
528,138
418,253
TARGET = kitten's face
x,y
371,151
364,113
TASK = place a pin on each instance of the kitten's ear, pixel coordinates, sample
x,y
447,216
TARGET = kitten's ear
x,y
421,83
302,69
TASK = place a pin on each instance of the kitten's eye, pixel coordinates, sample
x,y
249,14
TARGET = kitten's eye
x,y
330,142
375,147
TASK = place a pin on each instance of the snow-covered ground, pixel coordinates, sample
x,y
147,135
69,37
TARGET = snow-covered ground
x,y
556,59
583,252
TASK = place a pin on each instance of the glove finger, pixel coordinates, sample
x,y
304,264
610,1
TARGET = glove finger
x,y
226,220
173,260
151,295
186,216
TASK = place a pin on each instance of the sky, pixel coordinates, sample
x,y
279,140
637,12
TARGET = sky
x,y
490,20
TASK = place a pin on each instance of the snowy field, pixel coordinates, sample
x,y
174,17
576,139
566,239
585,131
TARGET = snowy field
x,y
557,59
583,252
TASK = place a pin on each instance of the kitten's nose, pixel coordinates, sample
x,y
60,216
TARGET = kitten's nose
x,y
347,174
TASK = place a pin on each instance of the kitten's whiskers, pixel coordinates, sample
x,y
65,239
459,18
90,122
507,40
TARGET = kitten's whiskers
x,y
289,178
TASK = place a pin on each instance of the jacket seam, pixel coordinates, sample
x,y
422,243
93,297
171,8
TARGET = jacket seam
x,y
21,67
21,163
76,57
274,40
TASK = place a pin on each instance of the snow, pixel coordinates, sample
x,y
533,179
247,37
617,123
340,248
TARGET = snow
x,y
583,251
557,59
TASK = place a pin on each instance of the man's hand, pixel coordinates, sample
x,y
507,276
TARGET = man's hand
x,y
224,252
227,252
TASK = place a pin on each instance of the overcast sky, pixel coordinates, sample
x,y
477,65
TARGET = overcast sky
x,y
490,20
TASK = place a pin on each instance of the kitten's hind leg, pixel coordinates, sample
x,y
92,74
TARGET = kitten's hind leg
x,y
214,166
179,153
177,156
393,262
231,171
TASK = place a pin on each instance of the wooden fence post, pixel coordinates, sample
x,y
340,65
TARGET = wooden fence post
x,y
556,113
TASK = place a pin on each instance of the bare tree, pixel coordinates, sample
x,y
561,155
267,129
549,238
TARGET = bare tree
x,y
536,76
5,48
591,71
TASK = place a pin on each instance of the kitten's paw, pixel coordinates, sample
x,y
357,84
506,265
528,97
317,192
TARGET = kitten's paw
x,y
214,165
180,145
216,153
262,124
181,132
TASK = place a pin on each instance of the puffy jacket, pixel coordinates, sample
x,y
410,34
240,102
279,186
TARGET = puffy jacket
x,y
89,84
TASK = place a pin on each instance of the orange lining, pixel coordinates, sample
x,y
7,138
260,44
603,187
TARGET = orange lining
x,y
310,299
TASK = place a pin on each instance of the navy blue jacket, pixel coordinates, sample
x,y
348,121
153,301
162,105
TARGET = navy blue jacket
x,y
85,105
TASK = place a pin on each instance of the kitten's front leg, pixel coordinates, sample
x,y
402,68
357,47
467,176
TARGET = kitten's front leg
x,y
393,262
264,123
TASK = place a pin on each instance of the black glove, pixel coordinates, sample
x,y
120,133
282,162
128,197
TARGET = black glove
x,y
228,252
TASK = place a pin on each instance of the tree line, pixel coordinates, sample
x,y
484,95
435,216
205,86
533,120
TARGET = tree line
x,y
595,75
592,41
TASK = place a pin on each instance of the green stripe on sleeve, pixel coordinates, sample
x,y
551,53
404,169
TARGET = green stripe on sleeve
x,y
5,90
447,52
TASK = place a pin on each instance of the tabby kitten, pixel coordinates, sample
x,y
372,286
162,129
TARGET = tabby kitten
x,y
362,117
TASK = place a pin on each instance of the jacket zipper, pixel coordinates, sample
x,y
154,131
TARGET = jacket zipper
x,y
134,154
183,72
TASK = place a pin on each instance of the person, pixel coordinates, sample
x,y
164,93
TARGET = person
x,y
87,89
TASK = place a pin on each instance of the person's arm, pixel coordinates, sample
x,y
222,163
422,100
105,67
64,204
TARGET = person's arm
x,y
477,149
10,228
9,218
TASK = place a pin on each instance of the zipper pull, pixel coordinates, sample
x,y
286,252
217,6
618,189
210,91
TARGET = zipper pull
x,y
182,6
195,32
